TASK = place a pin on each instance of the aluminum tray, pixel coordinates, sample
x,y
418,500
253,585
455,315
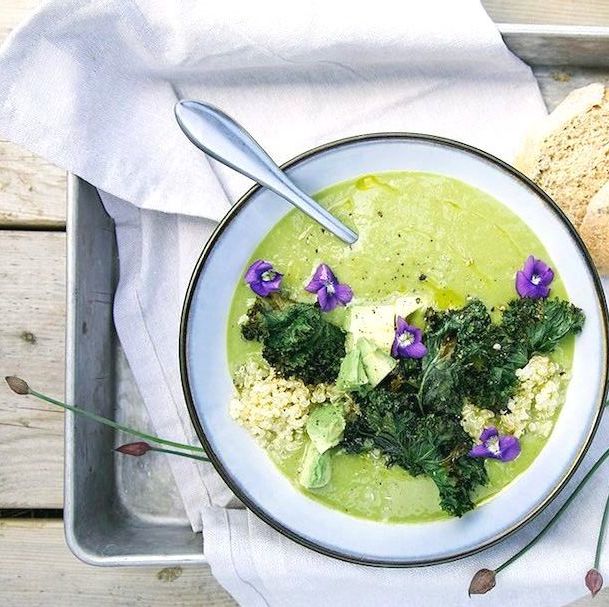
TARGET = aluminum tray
x,y
126,511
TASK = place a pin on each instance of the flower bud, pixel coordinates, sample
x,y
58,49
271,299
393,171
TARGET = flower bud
x,y
17,385
137,449
594,581
482,582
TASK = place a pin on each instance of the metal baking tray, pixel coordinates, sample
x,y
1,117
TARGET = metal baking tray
x,y
117,510
127,511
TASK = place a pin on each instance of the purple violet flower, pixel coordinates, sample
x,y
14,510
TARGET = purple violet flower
x,y
534,279
408,342
262,278
330,292
496,446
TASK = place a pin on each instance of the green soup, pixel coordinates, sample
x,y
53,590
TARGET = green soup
x,y
418,233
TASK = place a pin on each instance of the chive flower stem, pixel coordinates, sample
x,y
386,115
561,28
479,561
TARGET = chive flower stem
x,y
113,424
601,535
568,501
180,453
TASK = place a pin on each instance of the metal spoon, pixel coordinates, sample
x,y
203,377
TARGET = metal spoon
x,y
218,135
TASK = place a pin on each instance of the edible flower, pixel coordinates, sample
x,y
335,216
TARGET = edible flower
x,y
485,579
262,278
493,445
330,292
533,281
408,341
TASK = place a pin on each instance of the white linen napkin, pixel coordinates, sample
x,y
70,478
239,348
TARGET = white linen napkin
x,y
91,85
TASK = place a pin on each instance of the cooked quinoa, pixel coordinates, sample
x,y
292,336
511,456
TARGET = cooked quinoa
x,y
533,407
474,419
275,409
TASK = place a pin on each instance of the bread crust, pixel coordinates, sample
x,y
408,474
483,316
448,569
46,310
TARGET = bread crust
x,y
576,103
567,155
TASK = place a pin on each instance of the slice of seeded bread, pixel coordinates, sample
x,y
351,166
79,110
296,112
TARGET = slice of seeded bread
x,y
568,156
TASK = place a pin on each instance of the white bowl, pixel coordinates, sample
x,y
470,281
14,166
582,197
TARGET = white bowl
x,y
246,467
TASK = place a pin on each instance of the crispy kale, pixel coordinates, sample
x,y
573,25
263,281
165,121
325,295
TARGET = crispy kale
x,y
255,327
297,340
540,324
413,416
439,449
434,445
456,480
386,420
471,357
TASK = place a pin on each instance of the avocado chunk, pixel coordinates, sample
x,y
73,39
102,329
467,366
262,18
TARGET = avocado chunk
x,y
315,471
376,322
365,347
377,364
352,374
366,364
325,426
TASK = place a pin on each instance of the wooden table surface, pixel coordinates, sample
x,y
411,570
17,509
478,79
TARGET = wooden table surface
x,y
36,567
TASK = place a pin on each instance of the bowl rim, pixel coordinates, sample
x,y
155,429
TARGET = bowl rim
x,y
234,211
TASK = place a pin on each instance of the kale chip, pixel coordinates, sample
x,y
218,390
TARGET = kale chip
x,y
471,357
433,445
540,324
413,416
297,340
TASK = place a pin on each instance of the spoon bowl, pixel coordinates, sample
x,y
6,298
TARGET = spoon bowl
x,y
218,135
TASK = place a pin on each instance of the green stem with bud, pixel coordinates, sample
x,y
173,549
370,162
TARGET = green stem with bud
x,y
113,424
568,501
180,453
601,535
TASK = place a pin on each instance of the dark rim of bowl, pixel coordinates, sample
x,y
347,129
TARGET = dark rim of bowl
x,y
235,486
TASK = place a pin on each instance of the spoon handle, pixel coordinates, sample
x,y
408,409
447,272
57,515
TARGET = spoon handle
x,y
218,135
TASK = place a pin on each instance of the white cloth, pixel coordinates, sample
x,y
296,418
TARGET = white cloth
x,y
91,85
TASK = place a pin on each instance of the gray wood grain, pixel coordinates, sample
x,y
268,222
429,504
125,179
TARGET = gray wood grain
x,y
554,12
32,319
38,570
32,191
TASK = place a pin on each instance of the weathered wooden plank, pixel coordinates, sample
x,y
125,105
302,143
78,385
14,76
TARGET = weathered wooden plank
x,y
32,274
554,12
37,569
32,191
